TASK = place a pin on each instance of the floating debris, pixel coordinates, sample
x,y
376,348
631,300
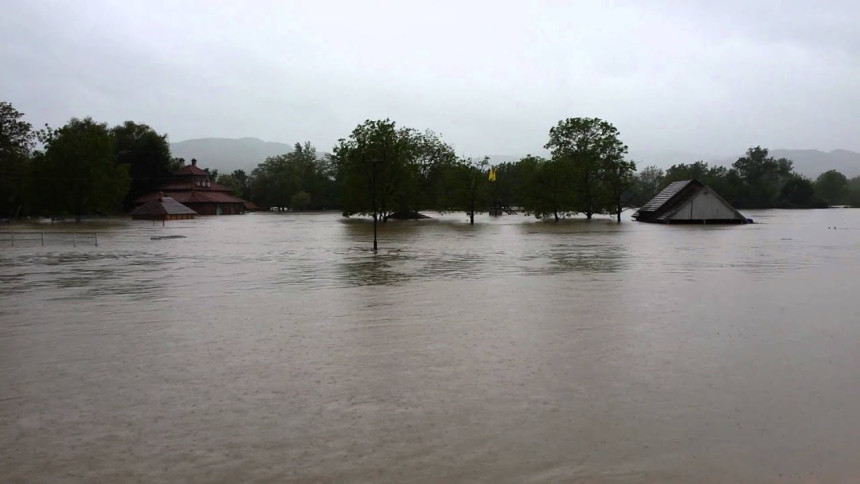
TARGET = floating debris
x,y
163,237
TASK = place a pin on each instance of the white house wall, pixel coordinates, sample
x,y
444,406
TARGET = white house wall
x,y
704,206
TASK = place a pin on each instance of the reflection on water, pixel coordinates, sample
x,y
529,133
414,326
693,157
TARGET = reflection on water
x,y
279,348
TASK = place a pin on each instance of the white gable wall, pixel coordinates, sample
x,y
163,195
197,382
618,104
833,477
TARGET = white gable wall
x,y
703,206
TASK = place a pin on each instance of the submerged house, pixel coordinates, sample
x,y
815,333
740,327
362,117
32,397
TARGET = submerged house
x,y
162,208
689,201
193,188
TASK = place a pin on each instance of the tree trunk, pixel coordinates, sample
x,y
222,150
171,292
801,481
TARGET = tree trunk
x,y
555,214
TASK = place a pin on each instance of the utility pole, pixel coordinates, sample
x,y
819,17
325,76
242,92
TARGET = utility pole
x,y
373,196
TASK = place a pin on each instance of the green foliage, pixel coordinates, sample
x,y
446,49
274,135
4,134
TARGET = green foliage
x,y
832,187
546,189
16,143
591,147
77,173
384,169
463,186
646,186
762,178
853,190
147,155
275,181
798,192
231,182
300,200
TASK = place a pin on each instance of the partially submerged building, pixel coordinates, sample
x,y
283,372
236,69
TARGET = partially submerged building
x,y
162,208
192,187
686,202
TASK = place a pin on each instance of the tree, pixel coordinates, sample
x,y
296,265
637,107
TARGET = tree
x,y
762,178
831,186
231,182
274,182
147,155
798,192
385,170
465,187
617,176
77,172
646,186
853,190
243,183
588,145
546,187
300,200
16,143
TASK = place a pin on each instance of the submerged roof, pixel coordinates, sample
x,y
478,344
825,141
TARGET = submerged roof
x,y
688,201
665,195
163,206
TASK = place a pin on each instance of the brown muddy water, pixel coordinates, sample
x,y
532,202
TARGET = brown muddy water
x,y
273,347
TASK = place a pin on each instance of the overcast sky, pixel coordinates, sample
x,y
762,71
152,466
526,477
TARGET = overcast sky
x,y
704,77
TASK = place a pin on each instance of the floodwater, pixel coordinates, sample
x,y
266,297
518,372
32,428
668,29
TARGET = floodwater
x,y
271,347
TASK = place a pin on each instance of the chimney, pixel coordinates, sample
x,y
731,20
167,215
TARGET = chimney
x,y
193,161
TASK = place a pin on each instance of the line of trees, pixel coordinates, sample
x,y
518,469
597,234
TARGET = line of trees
x,y
384,171
755,180
83,167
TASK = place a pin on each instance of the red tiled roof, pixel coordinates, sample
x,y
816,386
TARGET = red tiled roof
x,y
213,187
205,197
190,170
186,190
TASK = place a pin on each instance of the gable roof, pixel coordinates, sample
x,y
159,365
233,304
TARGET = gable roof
x,y
163,206
667,203
666,195
190,170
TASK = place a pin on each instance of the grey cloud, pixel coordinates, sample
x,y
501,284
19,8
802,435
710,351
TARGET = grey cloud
x,y
697,77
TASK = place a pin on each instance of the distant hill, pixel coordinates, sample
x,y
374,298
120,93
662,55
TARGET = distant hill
x,y
228,154
812,163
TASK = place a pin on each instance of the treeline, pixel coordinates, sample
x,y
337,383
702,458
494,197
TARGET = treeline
x,y
83,167
383,170
755,180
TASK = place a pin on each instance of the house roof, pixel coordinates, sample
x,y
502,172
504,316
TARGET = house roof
x,y
194,196
191,170
666,204
163,206
666,195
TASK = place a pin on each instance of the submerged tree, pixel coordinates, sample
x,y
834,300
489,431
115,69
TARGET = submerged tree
x,y
589,146
646,186
16,143
385,170
275,181
832,187
77,173
147,156
617,176
546,187
761,177
464,187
